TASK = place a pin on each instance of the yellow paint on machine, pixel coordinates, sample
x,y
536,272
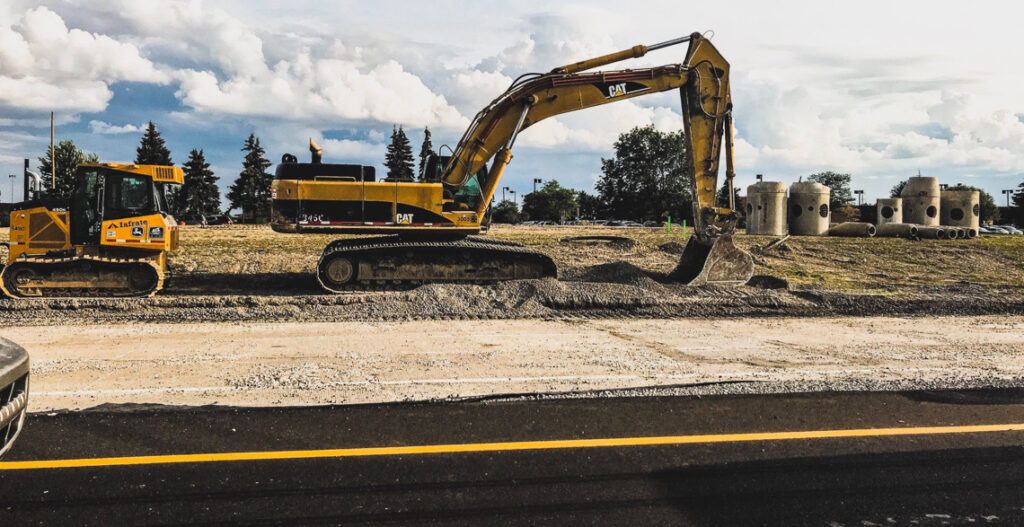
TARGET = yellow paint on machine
x,y
512,446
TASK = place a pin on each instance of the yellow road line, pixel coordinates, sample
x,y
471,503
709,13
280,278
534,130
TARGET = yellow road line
x,y
509,446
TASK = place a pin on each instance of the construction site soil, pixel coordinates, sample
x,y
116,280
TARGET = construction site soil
x,y
248,273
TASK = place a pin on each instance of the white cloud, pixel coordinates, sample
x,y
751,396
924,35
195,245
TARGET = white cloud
x,y
101,127
44,65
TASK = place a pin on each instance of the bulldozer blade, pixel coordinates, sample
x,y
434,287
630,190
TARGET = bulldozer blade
x,y
715,262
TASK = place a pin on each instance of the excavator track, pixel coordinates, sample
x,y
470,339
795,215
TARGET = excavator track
x,y
391,262
80,277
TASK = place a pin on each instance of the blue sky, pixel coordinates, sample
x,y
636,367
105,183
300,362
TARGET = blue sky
x,y
817,86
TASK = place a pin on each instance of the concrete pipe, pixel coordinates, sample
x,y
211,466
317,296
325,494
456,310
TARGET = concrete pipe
x,y
808,209
896,230
852,229
936,233
972,233
889,210
961,208
921,201
766,208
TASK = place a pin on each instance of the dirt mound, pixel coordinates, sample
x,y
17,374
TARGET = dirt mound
x,y
616,273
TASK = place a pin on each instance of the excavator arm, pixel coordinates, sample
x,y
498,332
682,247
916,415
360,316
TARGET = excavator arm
x,y
703,83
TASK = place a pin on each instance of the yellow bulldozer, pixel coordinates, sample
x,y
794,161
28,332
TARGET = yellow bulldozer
x,y
429,226
109,239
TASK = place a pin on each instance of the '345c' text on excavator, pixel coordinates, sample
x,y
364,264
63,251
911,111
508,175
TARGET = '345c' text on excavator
x,y
428,229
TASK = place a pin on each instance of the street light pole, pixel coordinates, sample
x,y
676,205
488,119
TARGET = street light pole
x,y
1008,192
12,176
503,189
510,191
535,181
860,196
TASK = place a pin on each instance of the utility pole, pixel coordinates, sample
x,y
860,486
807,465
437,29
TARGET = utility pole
x,y
535,181
1008,192
53,159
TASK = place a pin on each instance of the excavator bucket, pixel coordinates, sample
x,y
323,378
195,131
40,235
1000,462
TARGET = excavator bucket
x,y
715,262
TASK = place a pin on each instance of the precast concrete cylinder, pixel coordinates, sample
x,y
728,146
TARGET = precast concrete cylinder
x,y
808,209
921,201
896,230
766,208
890,210
961,208
940,233
852,229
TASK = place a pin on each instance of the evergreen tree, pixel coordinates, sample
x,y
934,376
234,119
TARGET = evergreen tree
x,y
1018,198
425,151
68,157
251,191
398,158
199,193
897,189
152,150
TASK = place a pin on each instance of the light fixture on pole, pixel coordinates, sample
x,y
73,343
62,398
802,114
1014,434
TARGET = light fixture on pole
x,y
535,181
1008,192
860,196
510,191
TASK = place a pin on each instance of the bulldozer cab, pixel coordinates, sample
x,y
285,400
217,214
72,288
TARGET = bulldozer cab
x,y
102,193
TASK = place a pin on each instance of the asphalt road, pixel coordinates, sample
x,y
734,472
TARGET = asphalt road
x,y
824,459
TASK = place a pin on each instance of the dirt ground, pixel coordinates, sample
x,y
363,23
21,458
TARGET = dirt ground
x,y
258,364
250,273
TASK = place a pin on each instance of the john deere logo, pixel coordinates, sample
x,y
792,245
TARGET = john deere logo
x,y
137,232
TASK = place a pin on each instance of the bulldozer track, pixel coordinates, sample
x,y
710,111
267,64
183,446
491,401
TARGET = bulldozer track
x,y
49,264
445,252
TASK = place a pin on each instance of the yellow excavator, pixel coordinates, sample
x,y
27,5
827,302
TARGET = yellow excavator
x,y
110,239
429,227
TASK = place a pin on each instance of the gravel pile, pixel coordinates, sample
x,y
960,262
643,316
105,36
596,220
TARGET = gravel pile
x,y
611,290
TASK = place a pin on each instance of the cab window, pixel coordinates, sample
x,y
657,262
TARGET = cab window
x,y
128,195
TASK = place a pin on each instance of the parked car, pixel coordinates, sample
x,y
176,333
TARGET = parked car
x,y
13,392
993,229
1010,229
219,219
192,218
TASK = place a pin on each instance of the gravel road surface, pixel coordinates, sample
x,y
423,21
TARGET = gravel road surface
x,y
262,364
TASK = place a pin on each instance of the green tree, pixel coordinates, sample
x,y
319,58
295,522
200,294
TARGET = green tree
x,y
552,202
251,191
426,149
590,206
152,150
722,197
646,180
68,157
1018,201
199,193
398,158
989,209
505,212
897,189
840,186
